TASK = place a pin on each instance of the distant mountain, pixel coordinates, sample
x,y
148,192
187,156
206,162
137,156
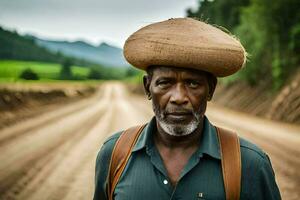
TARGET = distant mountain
x,y
15,46
103,54
19,47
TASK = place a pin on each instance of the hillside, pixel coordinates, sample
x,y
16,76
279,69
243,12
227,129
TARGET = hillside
x,y
17,47
282,105
14,46
103,54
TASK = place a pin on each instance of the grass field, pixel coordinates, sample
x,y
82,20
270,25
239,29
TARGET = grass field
x,y
10,70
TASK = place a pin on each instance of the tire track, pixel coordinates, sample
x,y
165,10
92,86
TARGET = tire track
x,y
46,164
74,162
11,169
28,126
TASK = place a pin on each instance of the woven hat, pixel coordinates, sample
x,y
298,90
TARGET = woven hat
x,y
187,43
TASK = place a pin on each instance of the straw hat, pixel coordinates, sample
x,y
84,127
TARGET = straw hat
x,y
185,42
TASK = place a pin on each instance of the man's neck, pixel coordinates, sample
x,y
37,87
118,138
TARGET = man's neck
x,y
178,142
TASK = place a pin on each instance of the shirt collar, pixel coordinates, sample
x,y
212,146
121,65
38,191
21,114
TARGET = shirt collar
x,y
208,145
145,139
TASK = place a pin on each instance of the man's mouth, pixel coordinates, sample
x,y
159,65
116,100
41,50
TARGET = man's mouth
x,y
179,115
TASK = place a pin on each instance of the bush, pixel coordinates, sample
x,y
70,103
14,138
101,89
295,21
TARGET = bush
x,y
95,74
66,72
28,74
130,72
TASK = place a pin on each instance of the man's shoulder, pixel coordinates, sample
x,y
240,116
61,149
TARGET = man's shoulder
x,y
110,141
107,147
251,152
113,138
258,176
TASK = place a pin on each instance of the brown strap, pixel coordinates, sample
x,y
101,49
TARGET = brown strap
x,y
120,156
231,163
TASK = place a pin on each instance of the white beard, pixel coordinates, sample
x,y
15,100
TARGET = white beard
x,y
177,129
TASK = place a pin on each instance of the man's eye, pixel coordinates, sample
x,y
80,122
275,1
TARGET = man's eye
x,y
163,83
193,84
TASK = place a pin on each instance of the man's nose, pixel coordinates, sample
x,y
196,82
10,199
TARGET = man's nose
x,y
179,95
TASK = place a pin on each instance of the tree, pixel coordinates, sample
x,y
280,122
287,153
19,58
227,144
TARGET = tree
x,y
269,30
28,74
95,74
225,13
66,72
131,72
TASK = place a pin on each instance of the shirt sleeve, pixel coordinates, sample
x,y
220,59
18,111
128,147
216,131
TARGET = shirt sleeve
x,y
264,186
102,166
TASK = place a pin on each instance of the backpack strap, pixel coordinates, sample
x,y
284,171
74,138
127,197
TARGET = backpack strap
x,y
120,156
230,159
231,162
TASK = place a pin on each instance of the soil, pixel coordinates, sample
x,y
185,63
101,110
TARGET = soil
x,y
18,102
283,105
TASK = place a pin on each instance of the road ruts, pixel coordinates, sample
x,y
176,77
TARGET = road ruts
x,y
24,154
52,156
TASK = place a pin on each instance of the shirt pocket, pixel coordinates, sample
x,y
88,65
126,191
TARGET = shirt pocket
x,y
209,197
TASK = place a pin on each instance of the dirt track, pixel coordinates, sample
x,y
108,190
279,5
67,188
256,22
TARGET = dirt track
x,y
52,156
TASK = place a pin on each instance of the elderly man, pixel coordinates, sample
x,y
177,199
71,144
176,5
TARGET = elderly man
x,y
179,154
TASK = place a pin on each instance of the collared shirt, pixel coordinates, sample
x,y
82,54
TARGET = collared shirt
x,y
146,178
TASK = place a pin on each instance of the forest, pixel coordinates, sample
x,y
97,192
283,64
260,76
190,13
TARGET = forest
x,y
269,30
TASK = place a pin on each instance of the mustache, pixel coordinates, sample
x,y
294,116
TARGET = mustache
x,y
178,110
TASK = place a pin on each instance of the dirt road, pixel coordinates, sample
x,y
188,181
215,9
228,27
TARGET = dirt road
x,y
52,156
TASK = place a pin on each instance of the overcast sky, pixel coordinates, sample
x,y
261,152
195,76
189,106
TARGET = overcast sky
x,y
90,20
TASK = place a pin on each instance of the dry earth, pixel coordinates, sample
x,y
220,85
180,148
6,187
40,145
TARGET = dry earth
x,y
52,156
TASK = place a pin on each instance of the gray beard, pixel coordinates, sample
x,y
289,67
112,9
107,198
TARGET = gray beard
x,y
177,129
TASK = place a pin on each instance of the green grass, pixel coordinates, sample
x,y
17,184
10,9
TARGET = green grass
x,y
10,70
136,79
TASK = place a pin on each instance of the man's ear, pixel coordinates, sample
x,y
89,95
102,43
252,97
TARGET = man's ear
x,y
212,83
146,82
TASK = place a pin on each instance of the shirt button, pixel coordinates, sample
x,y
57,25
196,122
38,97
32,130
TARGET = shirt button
x,y
165,182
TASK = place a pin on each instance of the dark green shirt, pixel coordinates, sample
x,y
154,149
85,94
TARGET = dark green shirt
x,y
145,177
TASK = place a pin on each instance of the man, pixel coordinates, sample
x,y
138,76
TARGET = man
x,y
178,154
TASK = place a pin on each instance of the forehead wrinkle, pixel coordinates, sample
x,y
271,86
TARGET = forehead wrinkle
x,y
182,73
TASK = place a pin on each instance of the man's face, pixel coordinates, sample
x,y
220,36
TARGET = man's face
x,y
179,98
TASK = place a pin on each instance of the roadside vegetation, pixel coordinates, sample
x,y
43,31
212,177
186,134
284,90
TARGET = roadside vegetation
x,y
11,70
14,70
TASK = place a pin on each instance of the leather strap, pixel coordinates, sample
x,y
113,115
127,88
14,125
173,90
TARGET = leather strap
x,y
231,163
120,156
230,158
